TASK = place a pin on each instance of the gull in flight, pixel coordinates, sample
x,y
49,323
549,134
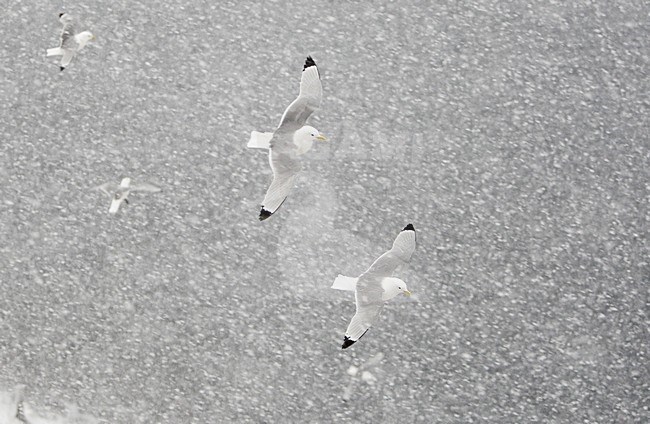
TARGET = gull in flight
x,y
71,41
120,193
291,139
376,286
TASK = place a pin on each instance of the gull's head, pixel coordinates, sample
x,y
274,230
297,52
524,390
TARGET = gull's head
x,y
402,288
313,133
392,287
85,37
305,136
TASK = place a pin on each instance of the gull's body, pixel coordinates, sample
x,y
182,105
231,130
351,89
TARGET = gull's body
x,y
71,41
291,139
376,286
120,193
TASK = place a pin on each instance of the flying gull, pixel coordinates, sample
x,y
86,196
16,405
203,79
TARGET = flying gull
x,y
71,41
376,285
120,193
291,139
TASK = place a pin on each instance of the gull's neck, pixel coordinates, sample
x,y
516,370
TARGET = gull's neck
x,y
303,145
303,140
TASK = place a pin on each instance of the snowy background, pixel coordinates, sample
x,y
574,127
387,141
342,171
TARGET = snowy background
x,y
514,136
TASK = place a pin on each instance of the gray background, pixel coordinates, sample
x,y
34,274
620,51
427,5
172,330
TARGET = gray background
x,y
514,136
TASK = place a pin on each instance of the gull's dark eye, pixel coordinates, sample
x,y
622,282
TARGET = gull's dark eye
x,y
400,288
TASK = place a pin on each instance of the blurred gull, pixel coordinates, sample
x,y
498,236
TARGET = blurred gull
x,y
71,41
14,410
376,286
120,193
291,139
362,371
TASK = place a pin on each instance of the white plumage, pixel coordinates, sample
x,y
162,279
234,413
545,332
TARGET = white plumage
x,y
119,194
376,285
71,41
291,139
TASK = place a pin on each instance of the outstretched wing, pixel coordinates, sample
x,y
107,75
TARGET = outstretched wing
x,y
66,58
285,167
108,188
400,253
68,32
361,321
311,92
145,187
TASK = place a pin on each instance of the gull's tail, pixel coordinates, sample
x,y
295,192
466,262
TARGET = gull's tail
x,y
345,283
260,140
55,51
115,205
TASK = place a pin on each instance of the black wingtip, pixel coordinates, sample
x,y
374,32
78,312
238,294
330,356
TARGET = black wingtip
x,y
61,68
264,214
347,342
409,228
309,62
61,14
